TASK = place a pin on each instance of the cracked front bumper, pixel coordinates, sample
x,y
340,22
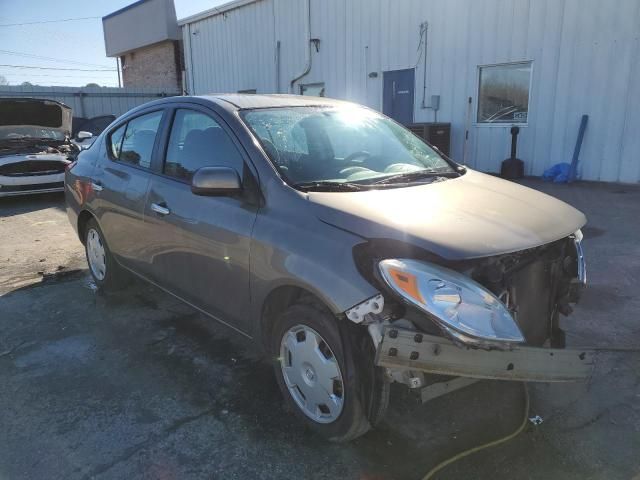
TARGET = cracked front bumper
x,y
411,350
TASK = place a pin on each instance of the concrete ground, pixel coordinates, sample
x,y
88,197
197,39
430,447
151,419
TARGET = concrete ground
x,y
135,385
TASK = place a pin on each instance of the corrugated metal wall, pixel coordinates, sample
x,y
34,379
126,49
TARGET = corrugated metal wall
x,y
91,101
585,54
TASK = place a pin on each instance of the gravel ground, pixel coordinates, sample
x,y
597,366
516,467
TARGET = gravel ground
x,y
135,385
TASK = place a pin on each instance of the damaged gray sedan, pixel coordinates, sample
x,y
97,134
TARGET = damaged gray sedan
x,y
354,253
34,146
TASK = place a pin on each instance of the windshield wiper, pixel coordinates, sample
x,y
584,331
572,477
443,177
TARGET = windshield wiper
x,y
328,186
409,176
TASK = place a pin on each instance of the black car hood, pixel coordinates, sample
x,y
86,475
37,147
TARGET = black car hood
x,y
19,112
475,215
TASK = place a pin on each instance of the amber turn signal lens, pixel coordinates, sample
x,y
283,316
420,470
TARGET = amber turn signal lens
x,y
407,282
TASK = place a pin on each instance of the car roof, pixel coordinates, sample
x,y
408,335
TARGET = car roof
x,y
242,101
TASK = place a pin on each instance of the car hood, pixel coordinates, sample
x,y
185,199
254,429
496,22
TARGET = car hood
x,y
474,215
20,112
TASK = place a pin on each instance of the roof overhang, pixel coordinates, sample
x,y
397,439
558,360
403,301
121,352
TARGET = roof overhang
x,y
212,12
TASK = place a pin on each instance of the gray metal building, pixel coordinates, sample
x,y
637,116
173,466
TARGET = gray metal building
x,y
482,65
91,101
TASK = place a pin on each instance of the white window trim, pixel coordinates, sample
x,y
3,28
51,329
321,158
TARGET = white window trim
x,y
475,122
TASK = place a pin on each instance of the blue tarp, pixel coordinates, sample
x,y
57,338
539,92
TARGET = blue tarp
x,y
559,173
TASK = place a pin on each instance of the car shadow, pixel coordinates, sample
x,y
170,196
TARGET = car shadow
x,y
224,375
10,206
234,376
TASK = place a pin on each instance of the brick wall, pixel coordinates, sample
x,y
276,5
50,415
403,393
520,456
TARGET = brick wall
x,y
153,66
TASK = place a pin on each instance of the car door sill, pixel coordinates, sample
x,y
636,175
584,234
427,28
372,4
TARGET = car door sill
x,y
188,303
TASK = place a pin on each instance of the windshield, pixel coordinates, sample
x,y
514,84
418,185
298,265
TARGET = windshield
x,y
27,132
349,145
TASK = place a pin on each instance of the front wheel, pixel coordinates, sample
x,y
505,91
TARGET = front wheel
x,y
317,375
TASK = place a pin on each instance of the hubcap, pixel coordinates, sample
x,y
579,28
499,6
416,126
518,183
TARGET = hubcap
x,y
312,374
96,254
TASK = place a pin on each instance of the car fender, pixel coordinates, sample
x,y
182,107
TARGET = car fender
x,y
307,254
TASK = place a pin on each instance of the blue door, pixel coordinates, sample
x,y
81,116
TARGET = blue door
x,y
397,95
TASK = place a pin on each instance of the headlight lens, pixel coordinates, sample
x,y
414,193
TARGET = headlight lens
x,y
454,299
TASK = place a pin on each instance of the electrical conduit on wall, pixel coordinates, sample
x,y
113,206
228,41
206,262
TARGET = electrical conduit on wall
x,y
307,68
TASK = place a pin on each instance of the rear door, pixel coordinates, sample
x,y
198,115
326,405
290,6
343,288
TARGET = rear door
x,y
200,245
121,181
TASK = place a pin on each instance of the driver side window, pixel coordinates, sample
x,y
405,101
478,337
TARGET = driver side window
x,y
196,141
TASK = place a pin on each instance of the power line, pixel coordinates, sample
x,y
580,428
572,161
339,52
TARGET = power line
x,y
57,68
11,74
46,21
56,84
52,59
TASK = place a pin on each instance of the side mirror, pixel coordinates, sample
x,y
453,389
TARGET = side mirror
x,y
82,135
216,181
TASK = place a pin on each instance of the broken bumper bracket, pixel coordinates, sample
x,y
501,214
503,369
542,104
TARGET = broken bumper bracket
x,y
410,350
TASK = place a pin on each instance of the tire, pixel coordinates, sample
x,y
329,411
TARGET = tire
x,y
343,417
106,273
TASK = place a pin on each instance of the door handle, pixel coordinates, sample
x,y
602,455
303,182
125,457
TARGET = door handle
x,y
97,186
160,209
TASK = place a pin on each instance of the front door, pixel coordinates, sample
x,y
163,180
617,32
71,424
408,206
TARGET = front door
x,y
199,245
397,95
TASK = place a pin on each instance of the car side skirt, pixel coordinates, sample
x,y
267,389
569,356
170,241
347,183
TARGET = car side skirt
x,y
407,349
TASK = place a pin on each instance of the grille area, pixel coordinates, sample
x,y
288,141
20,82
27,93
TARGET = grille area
x,y
26,188
32,167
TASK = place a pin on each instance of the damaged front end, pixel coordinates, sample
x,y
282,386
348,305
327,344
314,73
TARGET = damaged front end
x,y
494,317
34,145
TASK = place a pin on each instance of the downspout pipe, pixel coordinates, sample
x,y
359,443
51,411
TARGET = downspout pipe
x,y
424,32
278,66
307,68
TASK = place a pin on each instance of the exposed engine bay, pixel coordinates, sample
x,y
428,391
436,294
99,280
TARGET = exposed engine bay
x,y
34,159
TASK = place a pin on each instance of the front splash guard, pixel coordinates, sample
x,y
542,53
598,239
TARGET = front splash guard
x,y
411,350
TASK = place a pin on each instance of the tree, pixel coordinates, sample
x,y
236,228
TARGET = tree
x,y
26,84
3,80
92,85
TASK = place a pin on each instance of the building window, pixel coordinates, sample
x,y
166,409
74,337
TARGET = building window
x,y
248,90
313,89
503,93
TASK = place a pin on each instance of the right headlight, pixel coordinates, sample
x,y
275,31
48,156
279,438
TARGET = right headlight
x,y
453,299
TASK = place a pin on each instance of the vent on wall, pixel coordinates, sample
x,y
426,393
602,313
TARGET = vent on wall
x,y
436,134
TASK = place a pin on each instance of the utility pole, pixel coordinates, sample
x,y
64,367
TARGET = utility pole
x,y
118,69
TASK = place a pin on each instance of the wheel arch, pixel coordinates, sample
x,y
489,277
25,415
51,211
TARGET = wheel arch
x,y
83,220
282,297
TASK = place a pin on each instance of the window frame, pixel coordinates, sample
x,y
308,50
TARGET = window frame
x,y
156,142
479,68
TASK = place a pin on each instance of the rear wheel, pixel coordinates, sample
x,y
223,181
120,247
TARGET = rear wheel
x,y
106,273
317,375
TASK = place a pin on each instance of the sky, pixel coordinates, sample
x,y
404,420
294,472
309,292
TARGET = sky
x,y
64,50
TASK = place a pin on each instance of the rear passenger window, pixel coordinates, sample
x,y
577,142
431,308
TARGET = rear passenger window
x,y
139,138
196,141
